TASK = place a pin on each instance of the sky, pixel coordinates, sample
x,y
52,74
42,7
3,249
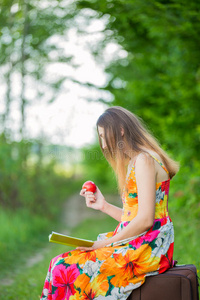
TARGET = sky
x,y
70,119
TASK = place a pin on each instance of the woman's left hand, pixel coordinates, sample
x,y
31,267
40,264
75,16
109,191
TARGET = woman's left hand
x,y
96,245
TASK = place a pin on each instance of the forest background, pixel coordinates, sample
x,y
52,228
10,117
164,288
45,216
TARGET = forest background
x,y
155,72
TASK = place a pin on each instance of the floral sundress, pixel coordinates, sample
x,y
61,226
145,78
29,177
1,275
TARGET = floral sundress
x,y
112,272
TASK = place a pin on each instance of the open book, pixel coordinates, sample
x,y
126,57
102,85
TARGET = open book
x,y
63,239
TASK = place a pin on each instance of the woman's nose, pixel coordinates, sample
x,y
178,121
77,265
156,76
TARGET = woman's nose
x,y
104,145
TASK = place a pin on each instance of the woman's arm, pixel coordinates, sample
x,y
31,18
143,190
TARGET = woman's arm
x,y
98,202
112,210
146,184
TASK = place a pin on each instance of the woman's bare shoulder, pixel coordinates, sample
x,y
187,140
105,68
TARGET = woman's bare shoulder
x,y
144,158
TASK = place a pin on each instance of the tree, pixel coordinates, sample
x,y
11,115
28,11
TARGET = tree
x,y
159,77
26,29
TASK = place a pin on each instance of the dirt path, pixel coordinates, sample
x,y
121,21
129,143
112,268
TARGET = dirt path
x,y
74,212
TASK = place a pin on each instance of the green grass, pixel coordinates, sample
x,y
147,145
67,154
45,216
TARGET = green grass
x,y
187,238
29,282
20,232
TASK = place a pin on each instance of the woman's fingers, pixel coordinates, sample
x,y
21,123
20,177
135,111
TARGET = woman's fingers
x,y
85,248
90,195
90,201
82,192
90,198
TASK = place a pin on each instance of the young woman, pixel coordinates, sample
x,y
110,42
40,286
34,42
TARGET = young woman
x,y
142,244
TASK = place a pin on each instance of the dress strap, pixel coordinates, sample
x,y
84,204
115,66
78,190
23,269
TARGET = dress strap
x,y
160,163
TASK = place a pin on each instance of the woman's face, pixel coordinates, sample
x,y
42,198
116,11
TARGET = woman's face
x,y
102,137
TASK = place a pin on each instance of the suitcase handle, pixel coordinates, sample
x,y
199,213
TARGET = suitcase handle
x,y
174,263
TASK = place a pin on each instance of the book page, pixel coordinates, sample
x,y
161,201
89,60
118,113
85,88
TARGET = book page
x,y
63,239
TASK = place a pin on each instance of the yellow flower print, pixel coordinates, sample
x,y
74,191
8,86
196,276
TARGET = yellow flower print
x,y
100,284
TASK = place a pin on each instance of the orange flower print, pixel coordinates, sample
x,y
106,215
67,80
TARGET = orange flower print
x,y
102,255
82,281
91,290
132,201
131,187
80,257
130,266
109,234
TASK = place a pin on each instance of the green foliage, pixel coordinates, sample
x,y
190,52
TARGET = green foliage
x,y
20,231
26,28
158,79
96,168
36,187
187,242
185,192
31,41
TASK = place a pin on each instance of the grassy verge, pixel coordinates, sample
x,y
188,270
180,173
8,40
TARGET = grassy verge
x,y
187,241
28,283
22,232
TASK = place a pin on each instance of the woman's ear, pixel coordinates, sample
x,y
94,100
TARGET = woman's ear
x,y
122,131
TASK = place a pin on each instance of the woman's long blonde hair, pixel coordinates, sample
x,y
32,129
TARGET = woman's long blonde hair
x,y
135,137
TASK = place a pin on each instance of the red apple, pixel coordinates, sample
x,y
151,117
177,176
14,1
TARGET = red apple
x,y
90,186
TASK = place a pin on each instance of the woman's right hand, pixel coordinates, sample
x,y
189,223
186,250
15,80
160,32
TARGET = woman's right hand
x,y
94,200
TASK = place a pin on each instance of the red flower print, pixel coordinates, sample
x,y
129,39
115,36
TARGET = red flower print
x,y
166,261
116,229
89,296
64,278
165,187
66,254
47,291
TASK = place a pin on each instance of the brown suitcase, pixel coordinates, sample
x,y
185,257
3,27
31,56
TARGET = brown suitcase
x,y
177,283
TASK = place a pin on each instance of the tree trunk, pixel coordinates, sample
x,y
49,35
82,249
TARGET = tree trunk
x,y
5,116
23,70
23,148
